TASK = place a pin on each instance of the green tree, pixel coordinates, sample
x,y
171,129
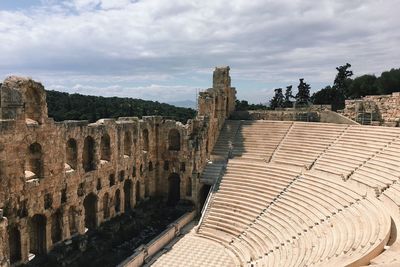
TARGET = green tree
x,y
328,96
278,100
362,86
389,81
342,80
303,94
288,97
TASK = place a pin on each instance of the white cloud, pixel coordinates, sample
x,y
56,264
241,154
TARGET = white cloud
x,y
267,43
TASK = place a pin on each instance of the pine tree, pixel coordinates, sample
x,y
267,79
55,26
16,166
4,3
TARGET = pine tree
x,y
303,94
278,100
342,80
288,96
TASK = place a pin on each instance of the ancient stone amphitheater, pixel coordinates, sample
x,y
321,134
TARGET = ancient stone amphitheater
x,y
281,193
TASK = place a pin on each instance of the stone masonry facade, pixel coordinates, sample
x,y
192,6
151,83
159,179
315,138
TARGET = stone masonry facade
x,y
375,110
58,179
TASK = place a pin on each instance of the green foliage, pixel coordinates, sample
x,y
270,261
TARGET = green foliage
x,y
328,96
244,105
278,100
389,81
303,94
64,106
362,86
288,97
342,80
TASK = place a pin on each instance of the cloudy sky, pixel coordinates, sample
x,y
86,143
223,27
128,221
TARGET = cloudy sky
x,y
165,50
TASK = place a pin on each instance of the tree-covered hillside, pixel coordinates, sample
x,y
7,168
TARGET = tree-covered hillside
x,y
64,106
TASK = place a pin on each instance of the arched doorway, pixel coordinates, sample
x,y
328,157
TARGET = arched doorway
x,y
137,191
128,194
37,234
90,204
88,156
73,229
14,241
117,201
174,189
56,232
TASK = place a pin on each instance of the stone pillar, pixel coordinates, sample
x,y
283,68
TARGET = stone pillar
x,y
4,249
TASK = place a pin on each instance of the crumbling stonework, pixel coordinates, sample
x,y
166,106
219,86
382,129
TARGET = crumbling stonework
x,y
375,110
58,179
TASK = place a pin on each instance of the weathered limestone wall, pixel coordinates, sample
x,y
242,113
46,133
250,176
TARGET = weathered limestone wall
x,y
374,109
59,178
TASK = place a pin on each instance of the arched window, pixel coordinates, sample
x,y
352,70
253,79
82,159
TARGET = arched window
x,y
37,234
189,187
174,189
14,241
71,152
106,206
105,148
145,134
90,205
56,232
111,178
150,166
34,165
174,140
128,144
117,201
88,155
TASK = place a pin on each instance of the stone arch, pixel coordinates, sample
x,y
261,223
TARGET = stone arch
x,y
105,148
174,140
106,206
88,157
189,187
72,223
34,163
145,135
117,205
37,234
14,242
56,231
128,194
71,152
127,143
137,191
90,205
174,188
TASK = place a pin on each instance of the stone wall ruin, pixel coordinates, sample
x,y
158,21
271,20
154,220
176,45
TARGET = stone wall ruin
x,y
59,179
